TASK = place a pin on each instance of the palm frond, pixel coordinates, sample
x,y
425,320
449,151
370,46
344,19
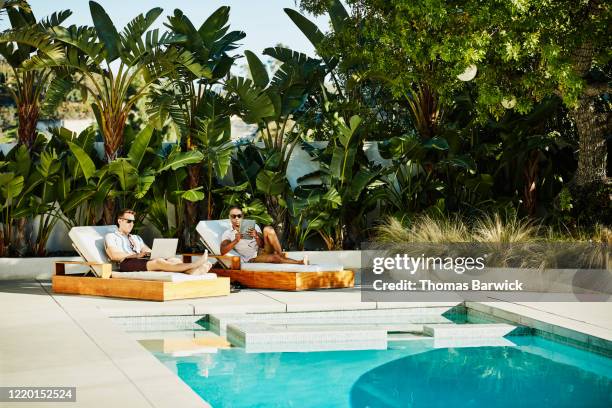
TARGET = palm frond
x,y
254,103
37,40
54,19
84,38
56,93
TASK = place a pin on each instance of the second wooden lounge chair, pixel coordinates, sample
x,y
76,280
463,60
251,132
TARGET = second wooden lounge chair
x,y
270,275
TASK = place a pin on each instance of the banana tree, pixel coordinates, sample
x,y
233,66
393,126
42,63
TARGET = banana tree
x,y
13,172
280,108
25,43
81,192
136,53
334,206
28,188
198,112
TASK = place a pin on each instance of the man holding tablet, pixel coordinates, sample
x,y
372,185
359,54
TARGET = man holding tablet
x,y
251,243
132,254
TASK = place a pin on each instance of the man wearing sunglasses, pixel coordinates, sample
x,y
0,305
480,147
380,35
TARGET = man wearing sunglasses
x,y
130,251
259,246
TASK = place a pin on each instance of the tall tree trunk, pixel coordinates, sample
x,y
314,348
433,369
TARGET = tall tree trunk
x,y
113,136
191,209
113,143
28,119
592,155
279,218
590,124
108,211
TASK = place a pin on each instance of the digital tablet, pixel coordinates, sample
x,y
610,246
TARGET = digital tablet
x,y
245,226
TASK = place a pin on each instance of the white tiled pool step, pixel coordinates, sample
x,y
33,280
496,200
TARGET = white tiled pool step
x,y
471,331
158,323
259,337
391,319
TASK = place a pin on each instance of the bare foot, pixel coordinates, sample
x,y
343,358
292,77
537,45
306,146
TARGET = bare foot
x,y
305,260
201,260
200,270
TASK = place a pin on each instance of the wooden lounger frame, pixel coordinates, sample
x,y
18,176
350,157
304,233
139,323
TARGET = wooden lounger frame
x,y
79,284
291,281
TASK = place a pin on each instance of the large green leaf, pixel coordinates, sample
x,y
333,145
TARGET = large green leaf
x,y
48,165
308,28
125,173
401,147
332,197
338,15
10,186
76,198
193,195
346,133
270,182
139,146
258,70
107,32
254,104
359,182
145,181
436,143
214,27
221,157
86,165
342,162
56,93
55,19
22,161
134,30
177,159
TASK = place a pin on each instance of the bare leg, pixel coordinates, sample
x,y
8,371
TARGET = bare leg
x,y
271,240
275,258
171,266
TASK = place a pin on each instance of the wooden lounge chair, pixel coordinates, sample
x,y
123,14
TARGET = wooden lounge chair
x,y
269,275
146,285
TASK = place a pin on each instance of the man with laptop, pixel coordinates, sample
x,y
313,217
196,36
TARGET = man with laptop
x,y
253,244
132,254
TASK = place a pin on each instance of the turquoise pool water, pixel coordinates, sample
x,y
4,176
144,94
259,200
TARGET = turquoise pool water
x,y
529,372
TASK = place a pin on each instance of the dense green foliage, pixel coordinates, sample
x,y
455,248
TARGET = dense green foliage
x,y
411,109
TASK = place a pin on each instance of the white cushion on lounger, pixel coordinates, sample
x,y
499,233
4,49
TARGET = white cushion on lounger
x,y
163,276
89,241
211,232
273,267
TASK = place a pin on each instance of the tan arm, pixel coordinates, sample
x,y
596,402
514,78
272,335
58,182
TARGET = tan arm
x,y
117,256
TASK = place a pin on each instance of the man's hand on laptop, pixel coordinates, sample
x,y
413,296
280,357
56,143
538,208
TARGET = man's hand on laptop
x,y
237,237
140,254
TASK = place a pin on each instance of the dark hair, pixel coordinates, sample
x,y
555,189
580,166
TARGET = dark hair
x,y
123,212
234,207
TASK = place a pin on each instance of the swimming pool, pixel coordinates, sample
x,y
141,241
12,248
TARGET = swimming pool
x,y
523,371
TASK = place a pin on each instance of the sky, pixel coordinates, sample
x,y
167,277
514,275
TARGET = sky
x,y
264,21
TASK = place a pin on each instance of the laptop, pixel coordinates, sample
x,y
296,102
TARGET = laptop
x,y
164,248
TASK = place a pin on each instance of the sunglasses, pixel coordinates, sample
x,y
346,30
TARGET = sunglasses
x,y
127,220
235,215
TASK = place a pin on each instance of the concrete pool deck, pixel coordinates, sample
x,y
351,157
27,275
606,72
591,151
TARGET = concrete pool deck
x,y
66,340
